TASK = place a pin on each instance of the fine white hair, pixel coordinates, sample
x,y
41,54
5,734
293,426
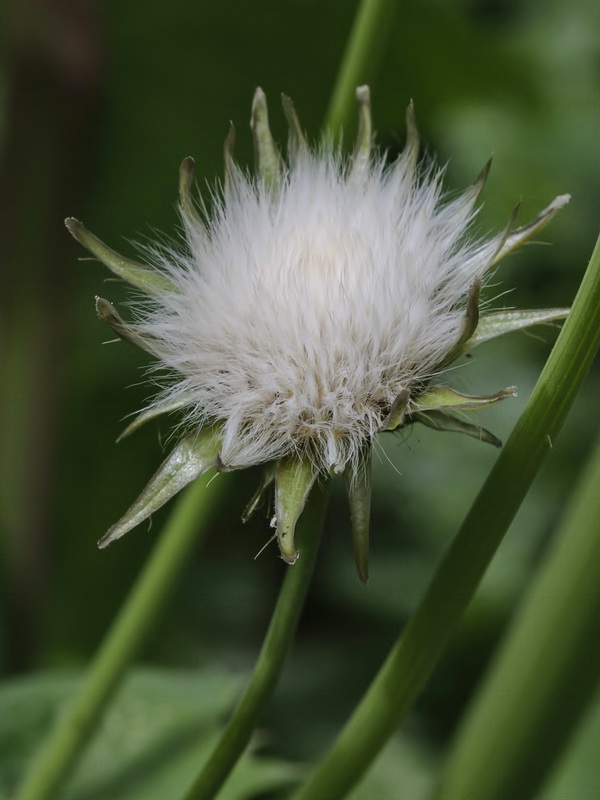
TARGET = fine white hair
x,y
299,316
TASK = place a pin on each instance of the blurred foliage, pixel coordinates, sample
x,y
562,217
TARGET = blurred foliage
x,y
514,78
150,743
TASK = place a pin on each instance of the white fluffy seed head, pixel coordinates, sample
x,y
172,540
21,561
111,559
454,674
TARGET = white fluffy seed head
x,y
300,315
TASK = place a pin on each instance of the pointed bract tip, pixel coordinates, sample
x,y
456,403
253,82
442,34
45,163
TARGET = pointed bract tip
x,y
363,94
269,166
189,163
194,455
296,139
258,92
294,479
230,138
259,113
411,118
412,145
75,227
483,175
398,409
559,202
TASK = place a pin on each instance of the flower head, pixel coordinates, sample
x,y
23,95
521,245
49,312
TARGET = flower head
x,y
314,307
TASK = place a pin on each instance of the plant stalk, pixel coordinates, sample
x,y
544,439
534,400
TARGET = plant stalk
x,y
365,48
276,645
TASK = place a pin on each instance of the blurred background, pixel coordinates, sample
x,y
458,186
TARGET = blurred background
x,y
99,103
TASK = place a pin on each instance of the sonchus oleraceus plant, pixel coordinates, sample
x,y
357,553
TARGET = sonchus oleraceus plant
x,y
315,306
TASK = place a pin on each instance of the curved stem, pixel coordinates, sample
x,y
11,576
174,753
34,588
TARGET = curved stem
x,y
276,645
73,730
546,674
416,653
364,50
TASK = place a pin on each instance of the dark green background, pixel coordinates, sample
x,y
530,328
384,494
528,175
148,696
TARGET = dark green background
x,y
100,104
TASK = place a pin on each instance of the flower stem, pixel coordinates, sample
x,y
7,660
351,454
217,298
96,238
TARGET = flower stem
x,y
546,674
365,48
416,653
276,645
73,730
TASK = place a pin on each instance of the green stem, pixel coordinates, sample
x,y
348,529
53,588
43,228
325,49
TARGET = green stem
x,y
75,727
546,674
365,48
416,653
276,645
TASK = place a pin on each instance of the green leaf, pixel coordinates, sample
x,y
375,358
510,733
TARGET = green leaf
x,y
163,723
137,275
195,454
441,421
293,481
501,322
269,166
129,333
358,487
442,397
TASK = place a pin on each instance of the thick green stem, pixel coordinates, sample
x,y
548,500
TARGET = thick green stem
x,y
365,48
73,730
546,674
276,645
415,655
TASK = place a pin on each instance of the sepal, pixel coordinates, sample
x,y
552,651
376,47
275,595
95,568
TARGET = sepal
x,y
267,479
228,161
296,139
138,275
269,165
500,322
129,333
186,182
294,479
469,324
156,411
195,454
410,153
358,488
395,417
442,398
520,235
362,148
441,421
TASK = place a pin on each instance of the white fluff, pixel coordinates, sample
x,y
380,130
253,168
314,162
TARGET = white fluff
x,y
299,318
